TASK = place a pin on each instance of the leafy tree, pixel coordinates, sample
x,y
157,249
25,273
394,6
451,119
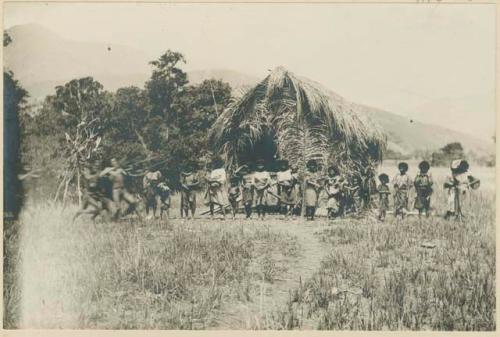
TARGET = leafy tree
x,y
453,149
167,81
125,134
196,108
448,153
180,115
199,107
14,100
77,113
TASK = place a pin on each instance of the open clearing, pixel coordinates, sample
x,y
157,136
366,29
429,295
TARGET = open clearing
x,y
273,274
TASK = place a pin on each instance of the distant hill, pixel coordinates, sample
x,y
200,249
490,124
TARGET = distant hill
x,y
41,60
406,135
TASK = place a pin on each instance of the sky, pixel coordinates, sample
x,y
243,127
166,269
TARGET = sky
x,y
431,62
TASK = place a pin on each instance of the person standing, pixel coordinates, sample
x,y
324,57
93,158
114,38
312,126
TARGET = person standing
x,y
189,183
216,192
247,189
383,196
286,186
234,194
423,188
354,194
369,186
296,192
334,187
273,200
402,184
460,181
165,196
150,185
311,189
262,181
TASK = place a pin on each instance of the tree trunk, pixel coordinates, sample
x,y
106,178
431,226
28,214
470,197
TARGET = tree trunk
x,y
302,209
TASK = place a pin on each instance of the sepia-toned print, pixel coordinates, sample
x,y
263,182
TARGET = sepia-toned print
x,y
249,166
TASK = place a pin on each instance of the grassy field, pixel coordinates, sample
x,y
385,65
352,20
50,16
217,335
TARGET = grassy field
x,y
427,274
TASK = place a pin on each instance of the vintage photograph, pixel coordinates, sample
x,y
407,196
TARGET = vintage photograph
x,y
249,166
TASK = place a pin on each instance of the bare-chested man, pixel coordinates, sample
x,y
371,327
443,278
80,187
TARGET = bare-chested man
x,y
117,175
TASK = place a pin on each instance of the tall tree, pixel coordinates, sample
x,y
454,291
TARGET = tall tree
x,y
167,80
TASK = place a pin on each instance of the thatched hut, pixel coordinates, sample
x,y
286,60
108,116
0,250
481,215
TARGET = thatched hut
x,y
293,118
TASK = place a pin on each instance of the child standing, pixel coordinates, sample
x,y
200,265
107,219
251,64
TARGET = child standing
x,y
402,185
368,186
383,196
234,194
334,186
165,196
423,187
352,195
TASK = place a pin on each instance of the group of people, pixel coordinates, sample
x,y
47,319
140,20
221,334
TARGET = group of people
x,y
457,183
283,190
245,188
105,190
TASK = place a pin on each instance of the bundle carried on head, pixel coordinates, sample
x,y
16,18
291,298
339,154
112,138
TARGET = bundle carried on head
x,y
459,166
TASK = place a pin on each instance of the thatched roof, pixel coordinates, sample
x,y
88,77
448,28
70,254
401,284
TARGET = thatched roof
x,y
303,119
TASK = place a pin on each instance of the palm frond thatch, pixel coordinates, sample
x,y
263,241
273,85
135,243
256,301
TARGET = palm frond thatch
x,y
306,121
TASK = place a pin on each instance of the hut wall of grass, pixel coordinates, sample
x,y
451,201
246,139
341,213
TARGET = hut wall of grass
x,y
292,118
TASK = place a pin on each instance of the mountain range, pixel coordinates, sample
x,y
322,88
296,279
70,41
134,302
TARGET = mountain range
x,y
41,60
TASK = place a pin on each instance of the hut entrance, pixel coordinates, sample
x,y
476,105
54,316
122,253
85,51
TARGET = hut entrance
x,y
265,149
